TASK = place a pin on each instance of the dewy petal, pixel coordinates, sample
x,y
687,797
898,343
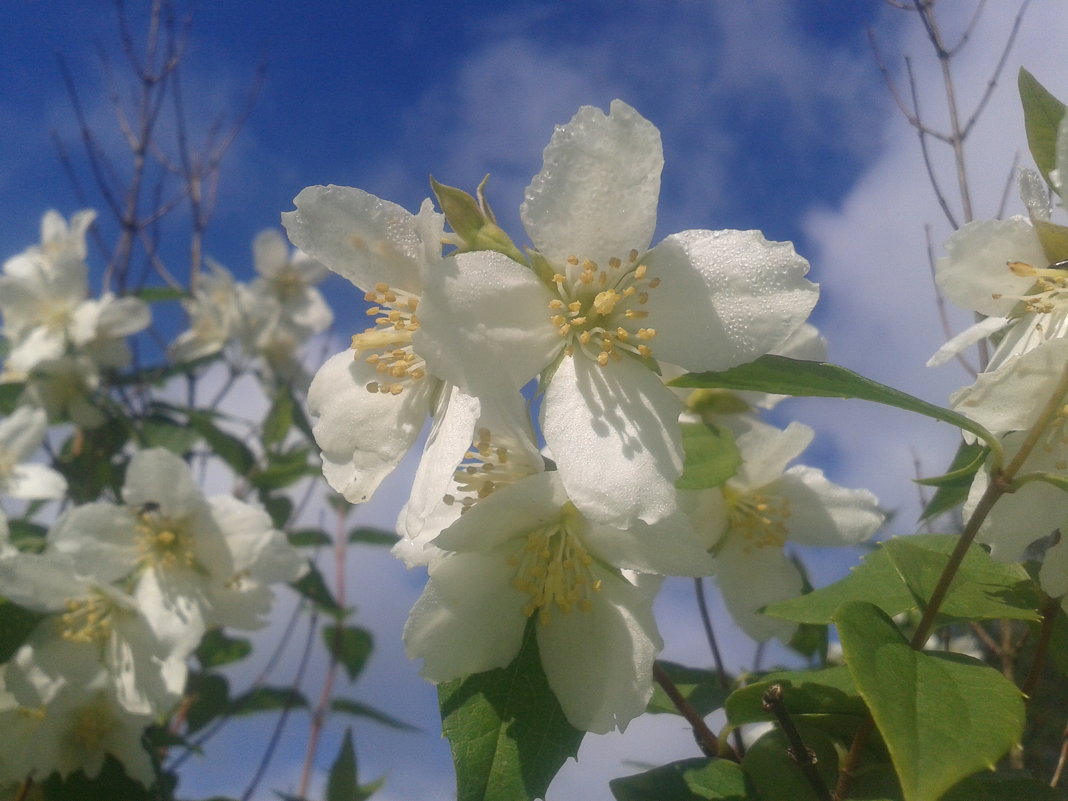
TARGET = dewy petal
x,y
975,267
485,323
725,297
612,431
1011,397
824,513
599,663
362,237
596,195
468,619
363,435
750,579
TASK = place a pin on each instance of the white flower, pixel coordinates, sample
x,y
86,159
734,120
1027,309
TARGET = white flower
x,y
190,559
526,551
66,389
21,434
289,280
75,730
599,305
215,314
1035,509
372,399
89,623
751,518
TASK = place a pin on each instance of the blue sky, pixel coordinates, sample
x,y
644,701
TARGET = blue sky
x,y
773,115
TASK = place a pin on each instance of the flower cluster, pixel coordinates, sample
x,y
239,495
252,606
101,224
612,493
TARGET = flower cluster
x,y
59,339
264,322
1014,274
117,593
569,519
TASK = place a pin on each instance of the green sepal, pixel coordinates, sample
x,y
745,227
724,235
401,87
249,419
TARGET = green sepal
x,y
710,456
1042,119
472,221
1054,241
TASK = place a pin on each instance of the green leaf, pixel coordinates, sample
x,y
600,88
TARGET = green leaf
x,y
267,699
349,645
506,730
829,691
700,687
10,392
901,574
16,624
711,456
111,782
943,717
372,536
27,536
343,783
776,775
982,589
279,507
687,780
158,430
211,698
157,294
954,490
226,446
360,710
313,587
1042,119
784,376
309,538
284,469
1001,787
279,418
216,648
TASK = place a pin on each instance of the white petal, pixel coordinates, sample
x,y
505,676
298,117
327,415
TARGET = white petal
x,y
725,297
669,547
468,619
360,236
596,194
158,476
966,338
599,663
269,252
1011,397
363,434
824,513
767,450
34,481
22,432
485,324
975,267
614,435
100,537
749,579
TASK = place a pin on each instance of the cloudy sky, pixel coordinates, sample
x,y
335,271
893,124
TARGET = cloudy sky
x,y
773,115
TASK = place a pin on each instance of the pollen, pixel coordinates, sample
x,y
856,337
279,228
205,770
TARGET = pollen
x,y
761,520
493,461
388,343
555,570
1048,292
597,310
87,619
163,542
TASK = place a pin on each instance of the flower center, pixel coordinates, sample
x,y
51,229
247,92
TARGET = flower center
x,y
553,568
388,342
1049,291
759,519
92,723
494,461
87,619
287,283
600,309
163,542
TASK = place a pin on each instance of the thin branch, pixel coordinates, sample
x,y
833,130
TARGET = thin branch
x,y
1034,675
805,757
705,738
992,82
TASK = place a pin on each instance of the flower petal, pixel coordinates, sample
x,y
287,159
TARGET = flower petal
x,y
824,513
975,267
725,297
596,195
749,579
362,237
669,547
469,618
363,434
485,324
599,663
613,433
